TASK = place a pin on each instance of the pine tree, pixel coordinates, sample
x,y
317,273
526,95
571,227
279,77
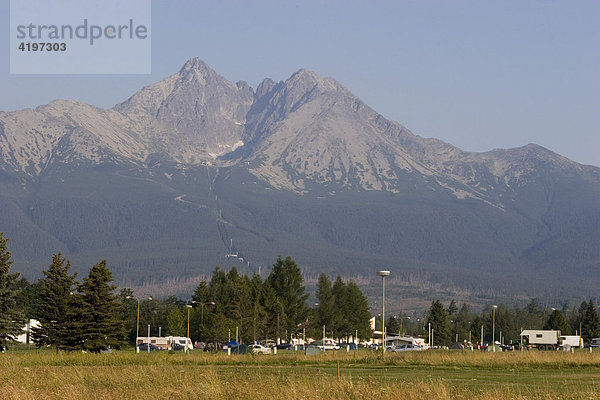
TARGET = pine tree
x,y
476,330
286,280
393,325
27,297
591,323
462,322
452,309
557,321
339,323
56,304
438,318
326,307
358,314
11,319
259,316
275,313
176,322
102,326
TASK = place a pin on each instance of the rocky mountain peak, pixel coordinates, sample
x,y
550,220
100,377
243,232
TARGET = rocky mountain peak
x,y
265,87
196,71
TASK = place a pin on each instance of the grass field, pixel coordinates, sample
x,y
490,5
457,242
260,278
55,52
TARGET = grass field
x,y
362,375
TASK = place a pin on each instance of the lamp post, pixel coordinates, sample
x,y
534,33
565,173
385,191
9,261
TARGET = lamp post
x,y
137,325
494,327
210,303
383,274
187,339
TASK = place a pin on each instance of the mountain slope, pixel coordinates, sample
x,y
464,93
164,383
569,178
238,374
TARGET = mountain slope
x,y
196,171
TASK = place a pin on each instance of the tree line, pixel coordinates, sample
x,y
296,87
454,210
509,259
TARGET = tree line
x,y
73,315
452,323
90,316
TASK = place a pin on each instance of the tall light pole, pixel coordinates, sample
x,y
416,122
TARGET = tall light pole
x,y
383,274
210,303
187,339
494,327
137,325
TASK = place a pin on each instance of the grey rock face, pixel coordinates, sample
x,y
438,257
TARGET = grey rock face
x,y
196,168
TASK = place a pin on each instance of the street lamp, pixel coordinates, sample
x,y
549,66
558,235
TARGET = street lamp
x,y
210,303
494,327
137,328
383,274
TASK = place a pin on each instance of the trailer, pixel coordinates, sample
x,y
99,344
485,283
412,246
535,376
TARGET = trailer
x,y
541,340
158,341
181,341
167,343
570,340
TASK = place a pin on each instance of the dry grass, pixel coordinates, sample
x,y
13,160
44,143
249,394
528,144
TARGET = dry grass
x,y
428,375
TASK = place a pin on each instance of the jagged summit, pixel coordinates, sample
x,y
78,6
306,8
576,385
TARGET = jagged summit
x,y
196,64
304,130
195,171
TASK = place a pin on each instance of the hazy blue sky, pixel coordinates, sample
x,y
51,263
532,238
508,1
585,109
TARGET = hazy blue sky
x,y
477,74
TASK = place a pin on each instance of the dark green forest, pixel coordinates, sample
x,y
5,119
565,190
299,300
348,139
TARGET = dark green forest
x,y
91,315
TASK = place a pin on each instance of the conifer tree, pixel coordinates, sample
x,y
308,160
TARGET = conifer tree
x,y
591,323
392,326
326,307
452,308
176,322
438,318
557,321
341,309
274,313
358,314
286,280
55,307
11,319
259,315
101,324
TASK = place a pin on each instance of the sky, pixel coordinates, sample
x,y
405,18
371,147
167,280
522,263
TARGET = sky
x,y
477,74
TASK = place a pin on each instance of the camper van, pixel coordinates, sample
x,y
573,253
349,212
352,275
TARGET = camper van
x,y
180,340
167,343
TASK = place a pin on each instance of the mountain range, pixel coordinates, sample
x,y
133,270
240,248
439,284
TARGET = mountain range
x,y
196,171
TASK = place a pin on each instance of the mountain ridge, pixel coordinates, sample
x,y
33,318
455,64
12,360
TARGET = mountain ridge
x,y
196,171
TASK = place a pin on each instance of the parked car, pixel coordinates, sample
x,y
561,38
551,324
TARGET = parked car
x,y
259,349
408,347
144,347
285,346
178,347
329,344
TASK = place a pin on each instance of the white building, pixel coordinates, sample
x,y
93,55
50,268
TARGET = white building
x,y
25,337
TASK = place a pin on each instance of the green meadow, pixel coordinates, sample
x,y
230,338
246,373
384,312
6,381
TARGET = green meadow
x,y
36,374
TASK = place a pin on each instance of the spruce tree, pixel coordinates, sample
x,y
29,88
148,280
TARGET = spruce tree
x,y
11,319
591,323
358,311
275,313
326,307
340,325
55,306
176,322
438,318
557,321
286,280
392,326
101,324
259,315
